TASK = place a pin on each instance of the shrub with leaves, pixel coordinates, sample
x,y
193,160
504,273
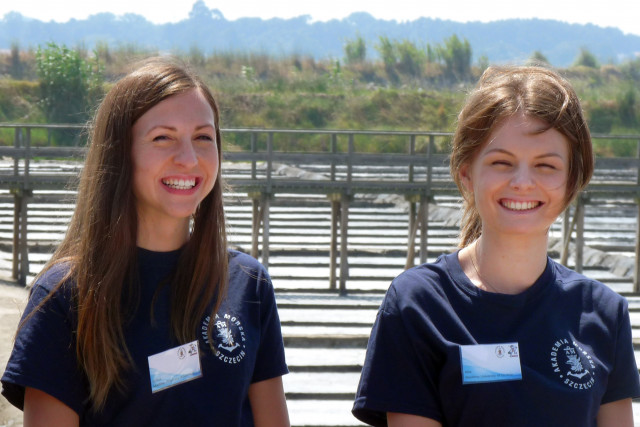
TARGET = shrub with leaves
x,y
70,84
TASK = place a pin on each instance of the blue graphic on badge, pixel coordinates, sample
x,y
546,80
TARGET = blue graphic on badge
x,y
174,366
484,363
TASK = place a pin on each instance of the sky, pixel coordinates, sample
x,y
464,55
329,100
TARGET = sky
x,y
623,14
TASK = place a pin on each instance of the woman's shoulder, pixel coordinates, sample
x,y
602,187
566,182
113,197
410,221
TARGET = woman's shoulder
x,y
52,276
573,282
244,262
246,273
423,283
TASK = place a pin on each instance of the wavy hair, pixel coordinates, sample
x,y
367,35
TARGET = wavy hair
x,y
100,244
502,92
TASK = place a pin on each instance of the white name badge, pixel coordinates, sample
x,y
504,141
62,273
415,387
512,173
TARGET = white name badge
x,y
484,363
174,366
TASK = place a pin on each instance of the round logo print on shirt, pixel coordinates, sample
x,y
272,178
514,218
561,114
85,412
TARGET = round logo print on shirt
x,y
573,365
228,337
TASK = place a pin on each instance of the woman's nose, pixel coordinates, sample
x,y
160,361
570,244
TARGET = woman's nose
x,y
522,179
186,154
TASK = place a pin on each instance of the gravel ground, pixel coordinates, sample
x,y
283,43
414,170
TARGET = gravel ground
x,y
12,300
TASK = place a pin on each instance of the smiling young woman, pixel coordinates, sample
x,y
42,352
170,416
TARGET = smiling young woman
x,y
497,333
143,316
175,165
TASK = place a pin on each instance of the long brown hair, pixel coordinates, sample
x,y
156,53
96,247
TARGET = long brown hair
x,y
100,244
502,92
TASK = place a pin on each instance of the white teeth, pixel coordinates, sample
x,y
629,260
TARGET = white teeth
x,y
180,184
519,206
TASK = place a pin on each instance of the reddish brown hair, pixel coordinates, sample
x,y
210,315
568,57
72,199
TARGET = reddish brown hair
x,y
502,92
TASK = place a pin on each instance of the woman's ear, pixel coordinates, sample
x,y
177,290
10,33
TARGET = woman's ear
x,y
465,177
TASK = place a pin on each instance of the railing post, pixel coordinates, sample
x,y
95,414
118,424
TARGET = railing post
x,y
350,163
423,214
269,160
254,150
413,230
430,149
17,143
21,194
636,272
255,222
17,203
424,229
413,227
334,198
344,233
412,203
412,153
344,221
17,215
421,219
24,244
334,151
264,215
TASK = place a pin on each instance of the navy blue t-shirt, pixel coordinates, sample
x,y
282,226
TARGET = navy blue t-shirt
x,y
573,335
247,345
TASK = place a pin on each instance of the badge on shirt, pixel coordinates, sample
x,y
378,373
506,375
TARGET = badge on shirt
x,y
174,366
484,363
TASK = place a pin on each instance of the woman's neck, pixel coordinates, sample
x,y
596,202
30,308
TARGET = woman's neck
x,y
162,237
504,265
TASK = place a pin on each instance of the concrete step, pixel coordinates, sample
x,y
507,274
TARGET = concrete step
x,y
321,386
321,413
322,317
329,360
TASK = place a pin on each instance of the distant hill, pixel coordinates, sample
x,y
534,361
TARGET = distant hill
x,y
511,41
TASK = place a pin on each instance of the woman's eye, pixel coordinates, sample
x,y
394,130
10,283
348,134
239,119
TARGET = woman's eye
x,y
547,166
160,138
205,137
500,163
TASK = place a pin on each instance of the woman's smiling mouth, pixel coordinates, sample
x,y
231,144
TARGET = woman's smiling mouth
x,y
514,205
180,184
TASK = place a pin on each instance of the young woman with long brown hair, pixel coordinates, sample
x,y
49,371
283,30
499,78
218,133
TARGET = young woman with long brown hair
x,y
497,333
143,316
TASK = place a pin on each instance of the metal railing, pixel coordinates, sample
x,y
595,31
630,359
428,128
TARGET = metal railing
x,y
412,164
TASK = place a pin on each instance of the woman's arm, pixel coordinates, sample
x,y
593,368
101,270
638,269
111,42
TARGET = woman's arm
x,y
405,420
616,414
268,403
42,409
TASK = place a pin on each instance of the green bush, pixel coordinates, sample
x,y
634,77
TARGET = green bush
x,y
70,86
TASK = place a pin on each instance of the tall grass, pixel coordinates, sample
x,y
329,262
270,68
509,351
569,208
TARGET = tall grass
x,y
297,92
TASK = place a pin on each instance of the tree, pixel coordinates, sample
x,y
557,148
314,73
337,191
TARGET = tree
x,y
355,51
70,85
586,59
627,108
537,58
483,63
387,52
410,58
16,67
200,11
456,55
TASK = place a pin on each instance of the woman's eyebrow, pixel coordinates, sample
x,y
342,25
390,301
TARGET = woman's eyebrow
x,y
509,153
174,129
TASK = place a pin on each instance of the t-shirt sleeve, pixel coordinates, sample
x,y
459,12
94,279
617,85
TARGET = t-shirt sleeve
x,y
624,381
43,356
397,376
270,360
